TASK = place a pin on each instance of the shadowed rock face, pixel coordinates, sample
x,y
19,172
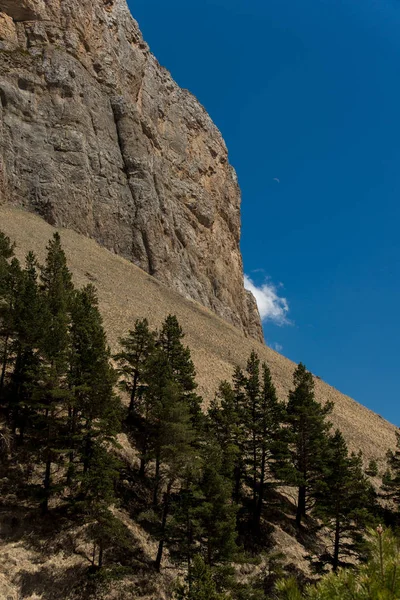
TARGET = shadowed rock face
x,y
96,136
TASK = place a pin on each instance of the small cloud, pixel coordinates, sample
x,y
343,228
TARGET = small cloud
x,y
277,180
276,346
271,306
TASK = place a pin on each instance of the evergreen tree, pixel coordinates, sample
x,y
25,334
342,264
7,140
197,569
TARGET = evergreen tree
x,y
226,418
94,409
391,478
204,514
97,495
10,276
202,586
181,365
174,452
251,414
344,501
215,513
137,346
29,324
54,395
271,448
378,579
246,419
307,430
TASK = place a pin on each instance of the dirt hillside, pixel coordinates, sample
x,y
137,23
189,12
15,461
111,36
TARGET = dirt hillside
x,y
126,292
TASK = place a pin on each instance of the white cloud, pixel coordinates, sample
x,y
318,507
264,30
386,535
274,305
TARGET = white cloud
x,y
277,347
271,306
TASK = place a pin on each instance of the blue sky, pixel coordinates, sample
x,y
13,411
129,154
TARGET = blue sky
x,y
308,93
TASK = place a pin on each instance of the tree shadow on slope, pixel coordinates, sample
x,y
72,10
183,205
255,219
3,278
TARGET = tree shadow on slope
x,y
61,534
278,511
51,583
45,534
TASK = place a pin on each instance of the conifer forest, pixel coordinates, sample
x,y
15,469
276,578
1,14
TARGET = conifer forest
x,y
207,483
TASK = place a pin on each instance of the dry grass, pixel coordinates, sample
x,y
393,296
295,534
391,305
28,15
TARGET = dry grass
x,y
126,293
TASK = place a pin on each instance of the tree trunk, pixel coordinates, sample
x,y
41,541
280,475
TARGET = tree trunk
x,y
163,526
156,482
88,448
101,551
142,469
189,553
133,393
47,475
46,484
143,459
4,364
236,491
72,418
335,563
258,510
301,505
254,474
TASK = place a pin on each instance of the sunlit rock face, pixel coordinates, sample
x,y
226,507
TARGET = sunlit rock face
x,y
96,136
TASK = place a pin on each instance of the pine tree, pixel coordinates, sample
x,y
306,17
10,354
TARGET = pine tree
x,y
182,368
391,479
307,430
251,414
378,579
202,586
10,275
137,346
93,423
344,500
226,418
97,495
215,512
272,449
54,395
94,409
29,324
174,452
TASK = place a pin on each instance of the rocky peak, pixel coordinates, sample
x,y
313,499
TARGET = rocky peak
x,y
96,136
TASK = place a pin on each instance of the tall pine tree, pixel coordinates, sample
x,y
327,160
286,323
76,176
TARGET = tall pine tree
x,y
137,346
54,395
344,501
94,409
307,430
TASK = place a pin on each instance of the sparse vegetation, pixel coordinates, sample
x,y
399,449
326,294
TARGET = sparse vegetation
x,y
208,488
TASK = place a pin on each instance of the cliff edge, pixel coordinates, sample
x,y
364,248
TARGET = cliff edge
x,y
96,136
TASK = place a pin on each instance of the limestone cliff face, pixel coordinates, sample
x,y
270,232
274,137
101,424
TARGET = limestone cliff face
x,y
96,136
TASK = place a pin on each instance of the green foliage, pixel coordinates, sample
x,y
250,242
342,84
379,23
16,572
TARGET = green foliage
x,y
246,419
209,475
372,470
202,585
344,501
378,579
94,411
307,429
215,513
391,479
137,346
226,422
181,366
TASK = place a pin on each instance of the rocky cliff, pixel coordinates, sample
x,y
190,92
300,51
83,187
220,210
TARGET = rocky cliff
x,y
96,136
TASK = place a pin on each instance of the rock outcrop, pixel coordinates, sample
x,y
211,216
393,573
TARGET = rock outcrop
x,y
96,136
